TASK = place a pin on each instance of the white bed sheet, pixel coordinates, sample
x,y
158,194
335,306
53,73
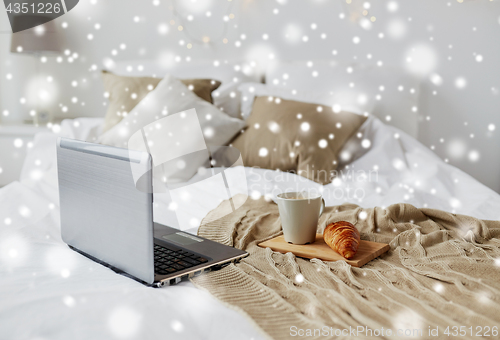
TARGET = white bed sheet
x,y
50,292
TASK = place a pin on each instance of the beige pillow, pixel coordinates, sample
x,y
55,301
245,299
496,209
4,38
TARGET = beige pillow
x,y
126,92
295,136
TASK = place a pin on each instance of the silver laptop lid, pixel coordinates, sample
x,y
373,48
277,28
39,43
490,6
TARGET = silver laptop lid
x,y
103,214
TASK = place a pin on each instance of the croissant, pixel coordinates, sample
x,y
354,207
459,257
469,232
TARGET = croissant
x,y
342,237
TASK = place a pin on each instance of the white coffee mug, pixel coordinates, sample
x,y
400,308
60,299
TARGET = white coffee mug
x,y
299,214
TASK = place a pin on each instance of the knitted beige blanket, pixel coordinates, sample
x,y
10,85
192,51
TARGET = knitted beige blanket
x,y
440,280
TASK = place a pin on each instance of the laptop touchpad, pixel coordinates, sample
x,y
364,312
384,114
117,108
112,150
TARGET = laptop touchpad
x,y
182,238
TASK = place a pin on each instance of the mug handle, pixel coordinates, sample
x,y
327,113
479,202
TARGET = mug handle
x,y
322,206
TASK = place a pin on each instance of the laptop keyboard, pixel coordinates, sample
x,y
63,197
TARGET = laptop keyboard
x,y
168,261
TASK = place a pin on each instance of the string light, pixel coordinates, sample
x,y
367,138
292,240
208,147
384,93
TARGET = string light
x,y
182,26
357,11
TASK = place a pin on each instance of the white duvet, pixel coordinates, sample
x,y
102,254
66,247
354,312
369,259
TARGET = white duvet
x,y
47,291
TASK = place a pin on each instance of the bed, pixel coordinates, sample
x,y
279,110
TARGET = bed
x,y
50,292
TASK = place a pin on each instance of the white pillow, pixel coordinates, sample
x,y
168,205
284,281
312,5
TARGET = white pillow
x,y
395,91
171,96
230,73
348,100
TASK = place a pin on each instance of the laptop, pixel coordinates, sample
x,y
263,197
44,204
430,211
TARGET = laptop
x,y
106,203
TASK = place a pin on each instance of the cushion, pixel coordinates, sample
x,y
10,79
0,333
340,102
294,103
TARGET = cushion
x,y
126,92
349,100
230,72
296,136
169,97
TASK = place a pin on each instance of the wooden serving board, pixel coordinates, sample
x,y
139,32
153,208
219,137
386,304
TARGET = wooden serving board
x,y
367,250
